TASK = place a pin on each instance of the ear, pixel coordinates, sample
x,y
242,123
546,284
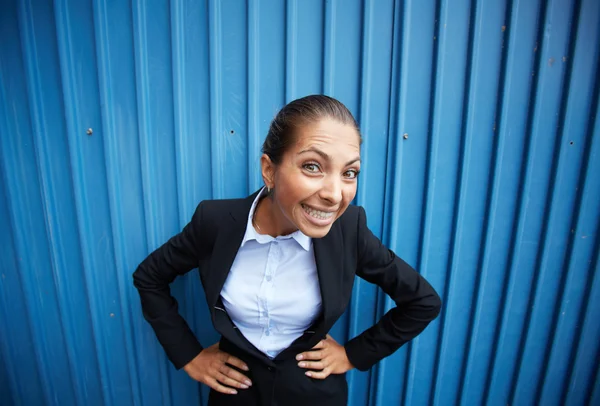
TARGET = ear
x,y
268,171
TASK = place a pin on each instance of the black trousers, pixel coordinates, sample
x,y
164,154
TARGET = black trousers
x,y
280,382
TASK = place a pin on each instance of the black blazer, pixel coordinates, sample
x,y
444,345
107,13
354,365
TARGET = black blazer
x,y
210,242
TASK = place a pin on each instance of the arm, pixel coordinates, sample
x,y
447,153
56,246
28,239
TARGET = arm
x,y
417,303
176,257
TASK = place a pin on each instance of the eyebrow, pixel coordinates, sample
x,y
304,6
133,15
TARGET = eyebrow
x,y
325,156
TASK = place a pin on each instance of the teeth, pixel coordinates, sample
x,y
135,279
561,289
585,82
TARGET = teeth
x,y
322,215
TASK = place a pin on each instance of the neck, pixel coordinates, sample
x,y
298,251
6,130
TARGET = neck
x,y
271,220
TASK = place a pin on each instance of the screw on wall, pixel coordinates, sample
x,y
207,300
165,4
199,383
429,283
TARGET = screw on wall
x,y
89,131
405,136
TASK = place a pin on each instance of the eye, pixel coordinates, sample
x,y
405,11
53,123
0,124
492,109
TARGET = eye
x,y
311,167
351,174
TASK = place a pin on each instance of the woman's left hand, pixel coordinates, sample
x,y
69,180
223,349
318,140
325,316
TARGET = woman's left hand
x,y
325,358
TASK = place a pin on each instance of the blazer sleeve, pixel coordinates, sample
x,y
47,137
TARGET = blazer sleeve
x,y
177,256
417,303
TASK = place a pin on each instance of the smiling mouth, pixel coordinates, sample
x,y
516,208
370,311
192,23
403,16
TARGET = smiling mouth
x,y
318,214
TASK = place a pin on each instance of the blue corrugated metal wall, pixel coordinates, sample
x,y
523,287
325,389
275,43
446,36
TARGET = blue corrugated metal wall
x,y
481,168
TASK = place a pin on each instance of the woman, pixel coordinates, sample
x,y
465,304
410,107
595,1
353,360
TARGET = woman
x,y
278,269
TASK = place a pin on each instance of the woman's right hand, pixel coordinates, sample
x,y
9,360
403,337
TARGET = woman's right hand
x,y
211,368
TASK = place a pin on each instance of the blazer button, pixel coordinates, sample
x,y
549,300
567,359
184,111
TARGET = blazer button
x,y
270,369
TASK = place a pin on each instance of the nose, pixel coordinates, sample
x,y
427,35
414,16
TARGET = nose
x,y
331,191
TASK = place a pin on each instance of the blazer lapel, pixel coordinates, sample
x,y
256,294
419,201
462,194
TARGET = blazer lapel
x,y
227,244
330,268
226,247
329,260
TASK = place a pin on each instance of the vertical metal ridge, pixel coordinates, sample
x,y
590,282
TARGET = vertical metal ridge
x,y
413,107
38,122
109,126
329,22
558,362
510,281
568,252
580,362
430,128
291,38
216,81
50,196
576,336
373,381
253,17
178,390
286,67
353,328
458,214
580,350
140,45
389,213
492,208
82,112
537,323
364,111
374,57
142,80
469,174
20,174
591,389
594,392
265,85
26,388
180,112
442,80
456,226
39,374
425,221
488,223
7,381
183,183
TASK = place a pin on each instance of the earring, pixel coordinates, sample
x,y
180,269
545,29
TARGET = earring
x,y
268,189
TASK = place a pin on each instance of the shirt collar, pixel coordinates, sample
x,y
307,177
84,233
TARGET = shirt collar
x,y
251,233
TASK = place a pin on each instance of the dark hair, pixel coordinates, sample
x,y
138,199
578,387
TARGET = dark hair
x,y
306,110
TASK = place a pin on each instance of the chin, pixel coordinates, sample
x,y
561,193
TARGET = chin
x,y
316,232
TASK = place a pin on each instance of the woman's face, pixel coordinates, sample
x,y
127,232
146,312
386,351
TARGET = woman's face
x,y
317,177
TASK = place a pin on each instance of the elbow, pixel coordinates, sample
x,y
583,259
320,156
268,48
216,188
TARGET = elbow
x,y
429,307
137,277
142,276
436,306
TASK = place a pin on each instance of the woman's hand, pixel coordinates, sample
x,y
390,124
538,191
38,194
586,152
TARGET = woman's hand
x,y
211,368
325,358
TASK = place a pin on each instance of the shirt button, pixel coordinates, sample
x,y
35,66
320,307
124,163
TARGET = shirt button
x,y
269,278
267,333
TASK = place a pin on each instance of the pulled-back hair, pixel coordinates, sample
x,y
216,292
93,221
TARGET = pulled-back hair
x,y
304,111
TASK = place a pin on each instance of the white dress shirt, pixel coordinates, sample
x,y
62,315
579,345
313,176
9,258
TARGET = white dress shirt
x,y
272,291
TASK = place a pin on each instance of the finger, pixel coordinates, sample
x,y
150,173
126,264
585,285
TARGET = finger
x,y
312,365
319,345
239,378
225,380
236,362
310,355
216,385
318,375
